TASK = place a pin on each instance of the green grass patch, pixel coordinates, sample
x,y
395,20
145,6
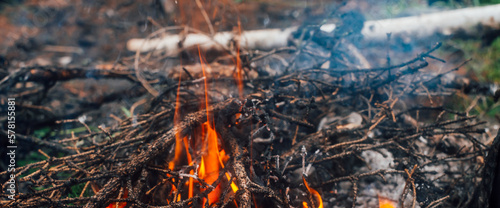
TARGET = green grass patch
x,y
491,59
48,132
485,60
487,2
32,157
77,189
29,158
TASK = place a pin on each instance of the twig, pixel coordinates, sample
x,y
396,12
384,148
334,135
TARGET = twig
x,y
436,203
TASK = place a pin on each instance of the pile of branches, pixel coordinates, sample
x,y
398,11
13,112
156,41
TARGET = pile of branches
x,y
293,136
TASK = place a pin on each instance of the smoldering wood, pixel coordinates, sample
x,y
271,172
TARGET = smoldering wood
x,y
242,179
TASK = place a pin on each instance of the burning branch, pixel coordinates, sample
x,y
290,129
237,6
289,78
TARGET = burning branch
x,y
238,168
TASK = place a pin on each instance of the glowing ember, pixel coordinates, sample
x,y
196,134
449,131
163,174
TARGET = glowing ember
x,y
315,194
385,202
119,204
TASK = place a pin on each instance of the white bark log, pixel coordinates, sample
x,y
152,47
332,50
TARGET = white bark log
x,y
446,23
421,26
253,39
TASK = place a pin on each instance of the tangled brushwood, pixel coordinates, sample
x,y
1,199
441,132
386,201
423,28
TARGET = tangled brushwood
x,y
300,126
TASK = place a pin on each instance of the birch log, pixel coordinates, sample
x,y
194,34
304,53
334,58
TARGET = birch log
x,y
420,26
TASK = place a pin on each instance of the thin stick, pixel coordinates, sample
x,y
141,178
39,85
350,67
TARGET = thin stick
x,y
205,16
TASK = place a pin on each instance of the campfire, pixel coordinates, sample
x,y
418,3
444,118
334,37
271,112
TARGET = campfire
x,y
314,123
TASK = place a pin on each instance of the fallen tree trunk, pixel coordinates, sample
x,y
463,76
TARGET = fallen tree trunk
x,y
446,23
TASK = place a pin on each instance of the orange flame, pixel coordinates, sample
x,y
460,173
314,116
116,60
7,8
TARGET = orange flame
x,y
180,145
314,193
213,157
384,202
191,180
178,139
209,169
239,78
